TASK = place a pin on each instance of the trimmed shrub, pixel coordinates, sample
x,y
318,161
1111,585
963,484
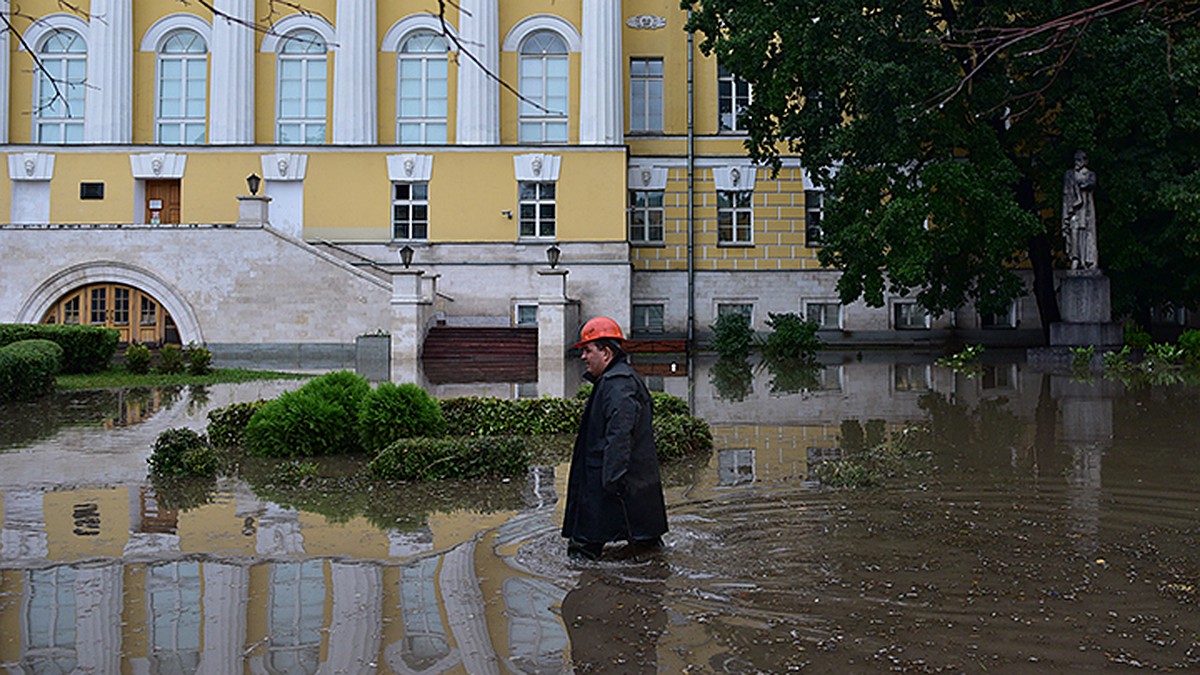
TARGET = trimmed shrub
x,y
170,359
86,349
437,458
199,360
137,358
27,369
677,436
226,425
391,412
342,388
732,335
791,337
183,452
666,404
486,416
1189,340
302,423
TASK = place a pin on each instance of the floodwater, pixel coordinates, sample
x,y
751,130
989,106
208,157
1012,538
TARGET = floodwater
x,y
1053,527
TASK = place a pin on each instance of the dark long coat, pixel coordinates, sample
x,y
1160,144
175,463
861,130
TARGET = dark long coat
x,y
614,490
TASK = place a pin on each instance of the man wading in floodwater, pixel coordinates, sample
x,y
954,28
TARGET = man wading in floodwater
x,y
614,492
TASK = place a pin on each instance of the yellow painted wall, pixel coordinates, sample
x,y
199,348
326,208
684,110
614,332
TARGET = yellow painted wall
x,y
70,169
213,182
64,544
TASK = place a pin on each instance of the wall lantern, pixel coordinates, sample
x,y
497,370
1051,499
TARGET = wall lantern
x,y
406,255
252,182
552,255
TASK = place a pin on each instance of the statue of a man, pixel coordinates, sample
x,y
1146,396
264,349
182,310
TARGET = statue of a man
x,y
1079,214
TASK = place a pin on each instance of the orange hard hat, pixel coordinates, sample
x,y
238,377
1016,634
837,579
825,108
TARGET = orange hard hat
x,y
599,327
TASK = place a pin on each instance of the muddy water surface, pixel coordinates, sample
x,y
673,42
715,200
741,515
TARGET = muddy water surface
x,y
1052,525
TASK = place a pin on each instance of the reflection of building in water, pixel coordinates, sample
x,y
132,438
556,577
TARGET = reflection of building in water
x,y
1086,423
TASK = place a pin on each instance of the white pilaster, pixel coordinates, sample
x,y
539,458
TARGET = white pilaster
x,y
354,634
109,117
98,596
231,104
478,91
226,588
601,113
355,74
4,61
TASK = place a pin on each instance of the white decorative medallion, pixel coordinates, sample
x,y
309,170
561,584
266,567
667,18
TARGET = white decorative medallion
x,y
646,22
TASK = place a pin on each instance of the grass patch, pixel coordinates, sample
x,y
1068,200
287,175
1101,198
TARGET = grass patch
x,y
120,377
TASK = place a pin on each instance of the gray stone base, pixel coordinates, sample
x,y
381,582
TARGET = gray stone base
x,y
1066,334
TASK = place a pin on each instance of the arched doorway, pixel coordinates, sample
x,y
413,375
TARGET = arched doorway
x,y
137,315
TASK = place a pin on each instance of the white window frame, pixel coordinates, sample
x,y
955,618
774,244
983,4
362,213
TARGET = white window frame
x,y
917,377
520,306
187,61
540,119
814,216
303,39
638,324
811,305
733,96
59,91
726,306
412,205
430,123
736,206
644,233
645,92
910,306
531,210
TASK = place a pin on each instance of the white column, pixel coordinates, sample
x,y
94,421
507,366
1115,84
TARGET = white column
x,y
478,91
4,61
355,74
98,602
226,588
109,114
231,94
354,630
601,114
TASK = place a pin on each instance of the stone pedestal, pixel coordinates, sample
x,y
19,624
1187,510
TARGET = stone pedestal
x,y
253,210
1086,312
558,319
409,308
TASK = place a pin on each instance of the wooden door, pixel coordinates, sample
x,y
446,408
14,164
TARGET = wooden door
x,y
162,201
137,316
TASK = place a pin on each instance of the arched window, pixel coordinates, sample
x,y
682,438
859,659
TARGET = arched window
x,y
300,110
421,89
59,93
543,83
182,75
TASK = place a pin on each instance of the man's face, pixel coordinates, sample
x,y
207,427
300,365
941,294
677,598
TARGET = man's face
x,y
595,358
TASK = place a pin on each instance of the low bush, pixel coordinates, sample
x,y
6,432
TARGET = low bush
x,y
302,423
1189,340
438,458
342,388
732,335
137,358
86,349
1137,337
226,425
394,411
199,360
27,369
183,452
486,416
678,436
791,337
170,359
667,404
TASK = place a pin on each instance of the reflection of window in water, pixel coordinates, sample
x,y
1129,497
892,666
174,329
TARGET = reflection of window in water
x,y
173,592
295,616
654,383
525,390
536,638
735,467
999,376
829,378
424,635
817,455
910,377
49,619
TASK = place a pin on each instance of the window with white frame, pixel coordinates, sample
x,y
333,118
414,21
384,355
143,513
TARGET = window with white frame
x,y
410,210
909,316
735,467
814,211
744,308
645,94
543,83
421,89
300,111
647,319
827,315
646,214
60,90
525,314
182,85
735,217
733,97
910,377
537,210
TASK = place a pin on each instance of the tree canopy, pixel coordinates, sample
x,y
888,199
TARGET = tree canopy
x,y
941,130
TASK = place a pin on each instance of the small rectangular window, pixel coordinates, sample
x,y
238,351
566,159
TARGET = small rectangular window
x,y
647,319
91,190
537,210
814,210
735,217
526,315
744,308
827,315
1007,319
735,467
410,211
645,95
910,377
910,316
646,215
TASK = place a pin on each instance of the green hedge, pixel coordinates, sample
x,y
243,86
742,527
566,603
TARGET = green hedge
x,y
678,436
486,416
226,425
393,411
86,349
27,369
437,458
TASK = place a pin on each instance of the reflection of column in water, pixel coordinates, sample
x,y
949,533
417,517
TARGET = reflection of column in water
x,y
357,615
24,534
279,531
537,642
98,617
405,544
225,592
539,487
425,647
465,608
1087,422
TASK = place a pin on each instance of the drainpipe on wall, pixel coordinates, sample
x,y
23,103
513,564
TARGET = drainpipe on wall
x,y
691,192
